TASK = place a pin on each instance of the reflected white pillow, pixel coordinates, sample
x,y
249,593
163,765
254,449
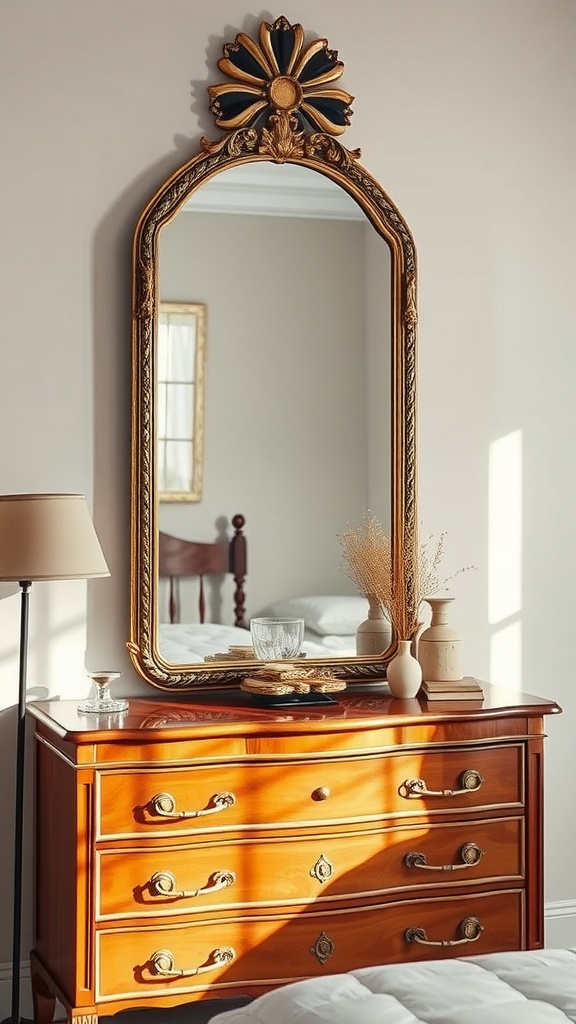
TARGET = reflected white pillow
x,y
335,615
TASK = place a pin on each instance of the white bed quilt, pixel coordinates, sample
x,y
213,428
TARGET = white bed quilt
x,y
535,987
188,643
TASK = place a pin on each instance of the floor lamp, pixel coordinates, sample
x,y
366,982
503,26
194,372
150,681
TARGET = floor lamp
x,y
42,537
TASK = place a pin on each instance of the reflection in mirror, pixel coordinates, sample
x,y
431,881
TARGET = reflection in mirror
x,y
309,272
297,408
180,401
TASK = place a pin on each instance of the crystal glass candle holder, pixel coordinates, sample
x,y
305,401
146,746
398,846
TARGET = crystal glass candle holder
x,y
102,703
275,639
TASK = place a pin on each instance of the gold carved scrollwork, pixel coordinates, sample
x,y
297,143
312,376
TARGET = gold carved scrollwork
x,y
282,141
411,312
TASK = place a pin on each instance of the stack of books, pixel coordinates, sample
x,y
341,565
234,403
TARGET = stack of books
x,y
467,688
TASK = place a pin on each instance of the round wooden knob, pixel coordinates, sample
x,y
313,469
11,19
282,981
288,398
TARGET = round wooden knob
x,y
322,793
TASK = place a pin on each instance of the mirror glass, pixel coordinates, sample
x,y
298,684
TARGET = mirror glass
x,y
296,438
306,273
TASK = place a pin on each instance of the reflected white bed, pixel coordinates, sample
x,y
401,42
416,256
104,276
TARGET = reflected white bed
x,y
535,987
330,621
186,643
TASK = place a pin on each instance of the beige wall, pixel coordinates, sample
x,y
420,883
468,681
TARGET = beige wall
x,y
463,110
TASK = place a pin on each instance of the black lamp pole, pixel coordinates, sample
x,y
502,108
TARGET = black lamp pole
x,y
14,1017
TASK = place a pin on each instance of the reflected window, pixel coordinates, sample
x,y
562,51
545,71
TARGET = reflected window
x,y
180,400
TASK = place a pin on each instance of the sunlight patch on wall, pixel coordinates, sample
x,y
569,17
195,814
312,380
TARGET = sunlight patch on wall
x,y
506,657
56,642
505,559
57,639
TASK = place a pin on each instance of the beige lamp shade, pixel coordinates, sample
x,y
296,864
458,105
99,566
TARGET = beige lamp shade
x,y
48,537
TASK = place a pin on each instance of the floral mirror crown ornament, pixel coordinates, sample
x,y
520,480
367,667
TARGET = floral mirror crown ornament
x,y
278,92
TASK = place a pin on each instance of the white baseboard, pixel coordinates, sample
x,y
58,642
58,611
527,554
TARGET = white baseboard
x,y
26,1008
559,933
6,991
560,925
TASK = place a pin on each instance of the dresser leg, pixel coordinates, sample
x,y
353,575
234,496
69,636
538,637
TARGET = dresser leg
x,y
43,1000
83,1015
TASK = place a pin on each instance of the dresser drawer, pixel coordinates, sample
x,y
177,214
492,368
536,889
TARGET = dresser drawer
x,y
337,790
178,878
311,943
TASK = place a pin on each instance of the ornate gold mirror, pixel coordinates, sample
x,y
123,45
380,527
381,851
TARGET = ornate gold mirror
x,y
307,272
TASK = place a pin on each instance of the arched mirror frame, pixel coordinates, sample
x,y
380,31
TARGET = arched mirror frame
x,y
280,141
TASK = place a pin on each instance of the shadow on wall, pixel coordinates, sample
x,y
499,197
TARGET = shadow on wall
x,y
56,644
55,656
8,727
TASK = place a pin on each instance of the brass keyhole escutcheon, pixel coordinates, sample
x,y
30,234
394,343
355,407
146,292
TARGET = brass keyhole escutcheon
x,y
323,948
323,869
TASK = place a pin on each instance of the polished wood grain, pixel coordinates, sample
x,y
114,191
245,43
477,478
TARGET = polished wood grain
x,y
279,871
271,949
331,790
309,816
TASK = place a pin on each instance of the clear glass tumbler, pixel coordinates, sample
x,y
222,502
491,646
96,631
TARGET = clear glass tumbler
x,y
275,639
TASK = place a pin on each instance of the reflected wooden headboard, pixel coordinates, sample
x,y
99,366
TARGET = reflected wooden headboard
x,y
178,558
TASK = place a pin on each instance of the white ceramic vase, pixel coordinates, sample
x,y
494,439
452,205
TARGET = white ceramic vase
x,y
439,647
374,635
404,674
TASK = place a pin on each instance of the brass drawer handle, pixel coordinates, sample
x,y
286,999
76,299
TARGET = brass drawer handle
x,y
470,854
163,883
470,930
164,805
470,781
162,963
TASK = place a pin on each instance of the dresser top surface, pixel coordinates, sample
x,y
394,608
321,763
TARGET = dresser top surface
x,y
365,706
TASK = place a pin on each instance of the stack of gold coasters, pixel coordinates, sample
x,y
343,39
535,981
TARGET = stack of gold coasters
x,y
280,678
242,651
234,653
324,681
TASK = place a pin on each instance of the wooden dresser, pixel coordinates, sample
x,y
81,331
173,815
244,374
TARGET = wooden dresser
x,y
202,847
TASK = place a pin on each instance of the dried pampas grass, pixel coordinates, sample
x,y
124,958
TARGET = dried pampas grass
x,y
367,554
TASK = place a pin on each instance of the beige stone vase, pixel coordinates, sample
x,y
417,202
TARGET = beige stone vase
x,y
440,647
403,673
374,635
